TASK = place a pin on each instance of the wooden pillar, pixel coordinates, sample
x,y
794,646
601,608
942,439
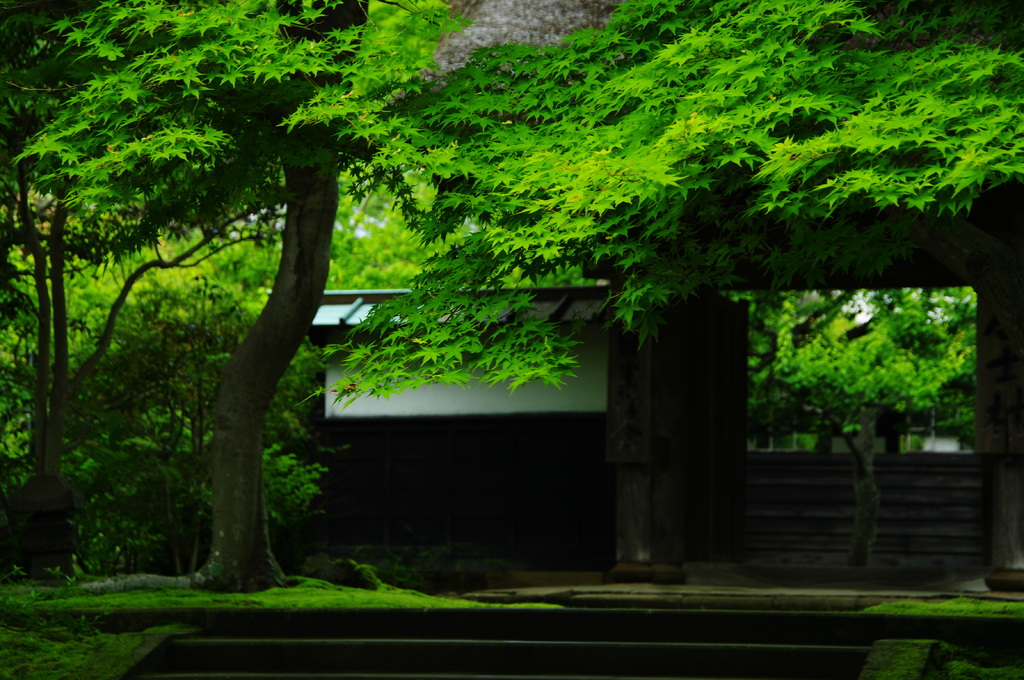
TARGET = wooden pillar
x,y
677,435
999,434
716,464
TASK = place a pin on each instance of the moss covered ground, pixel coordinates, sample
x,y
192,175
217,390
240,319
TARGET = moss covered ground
x,y
40,638
959,606
59,653
306,592
46,634
957,662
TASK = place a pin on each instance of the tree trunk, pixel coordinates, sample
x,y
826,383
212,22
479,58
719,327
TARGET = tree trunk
x,y
865,490
240,556
44,461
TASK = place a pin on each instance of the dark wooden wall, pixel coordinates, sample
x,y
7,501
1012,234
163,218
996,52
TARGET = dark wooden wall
x,y
799,509
532,492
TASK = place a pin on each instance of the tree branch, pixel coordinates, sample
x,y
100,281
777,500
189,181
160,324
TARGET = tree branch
x,y
106,337
395,4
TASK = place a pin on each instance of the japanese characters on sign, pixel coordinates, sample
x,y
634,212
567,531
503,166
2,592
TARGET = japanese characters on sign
x,y
999,421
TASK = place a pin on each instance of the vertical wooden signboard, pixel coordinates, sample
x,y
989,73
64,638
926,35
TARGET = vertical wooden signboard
x,y
999,418
999,433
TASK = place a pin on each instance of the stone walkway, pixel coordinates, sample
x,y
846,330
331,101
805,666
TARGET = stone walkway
x,y
758,587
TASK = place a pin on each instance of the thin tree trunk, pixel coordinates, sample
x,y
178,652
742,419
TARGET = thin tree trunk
x,y
52,386
60,390
865,490
41,389
240,556
193,561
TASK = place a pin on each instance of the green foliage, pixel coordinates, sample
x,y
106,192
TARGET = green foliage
x,y
819,358
831,362
145,427
372,247
189,106
688,145
186,112
51,244
291,484
685,144
16,404
139,431
38,78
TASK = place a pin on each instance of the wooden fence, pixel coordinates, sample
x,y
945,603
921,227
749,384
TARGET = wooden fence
x,y
800,509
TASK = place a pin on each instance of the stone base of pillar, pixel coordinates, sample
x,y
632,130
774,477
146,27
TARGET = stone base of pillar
x,y
669,574
49,538
49,541
643,572
631,572
51,568
1006,579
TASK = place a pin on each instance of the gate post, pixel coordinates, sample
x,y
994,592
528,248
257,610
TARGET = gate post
x,y
999,433
677,435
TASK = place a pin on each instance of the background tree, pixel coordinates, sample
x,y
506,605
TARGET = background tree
x,y
144,459
16,433
834,362
60,240
371,248
50,246
138,430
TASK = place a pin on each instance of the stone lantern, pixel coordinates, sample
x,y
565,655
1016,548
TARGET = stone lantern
x,y
50,537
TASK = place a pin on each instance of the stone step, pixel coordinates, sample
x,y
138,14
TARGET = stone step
x,y
514,657
593,625
400,676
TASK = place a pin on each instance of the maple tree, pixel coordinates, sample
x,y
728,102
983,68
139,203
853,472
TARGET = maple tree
x,y
181,113
691,145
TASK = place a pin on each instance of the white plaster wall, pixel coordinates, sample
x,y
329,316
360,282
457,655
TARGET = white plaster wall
x,y
585,393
